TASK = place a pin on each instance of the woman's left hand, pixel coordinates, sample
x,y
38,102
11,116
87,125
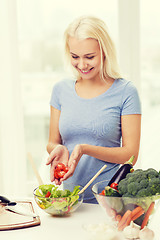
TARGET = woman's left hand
x,y
73,161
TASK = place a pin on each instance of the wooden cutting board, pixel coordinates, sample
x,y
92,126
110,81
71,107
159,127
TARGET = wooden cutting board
x,y
11,221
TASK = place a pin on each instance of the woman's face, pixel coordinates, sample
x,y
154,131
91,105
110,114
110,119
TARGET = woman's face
x,y
85,57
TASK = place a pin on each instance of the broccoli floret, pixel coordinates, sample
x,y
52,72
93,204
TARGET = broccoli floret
x,y
144,183
154,185
138,171
151,173
131,179
140,183
133,188
122,187
128,175
143,193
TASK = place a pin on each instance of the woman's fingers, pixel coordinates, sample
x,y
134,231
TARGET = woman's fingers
x,y
52,172
52,168
73,161
70,171
57,182
51,157
59,151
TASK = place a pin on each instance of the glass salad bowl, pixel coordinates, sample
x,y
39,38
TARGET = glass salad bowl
x,y
58,202
124,210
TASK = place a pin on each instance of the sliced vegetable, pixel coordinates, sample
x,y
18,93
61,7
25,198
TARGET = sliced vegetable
x,y
60,171
103,193
114,185
48,194
61,174
122,171
45,188
60,167
111,192
56,174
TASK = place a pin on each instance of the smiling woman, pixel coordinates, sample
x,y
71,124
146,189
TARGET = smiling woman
x,y
92,114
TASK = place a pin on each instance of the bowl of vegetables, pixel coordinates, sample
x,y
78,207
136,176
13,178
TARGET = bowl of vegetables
x,y
58,202
133,197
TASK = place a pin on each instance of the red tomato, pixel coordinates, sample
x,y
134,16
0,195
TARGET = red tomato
x,y
48,194
103,193
60,166
60,171
114,185
56,174
61,174
66,169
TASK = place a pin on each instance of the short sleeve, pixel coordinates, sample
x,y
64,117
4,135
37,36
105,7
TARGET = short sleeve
x,y
130,101
55,97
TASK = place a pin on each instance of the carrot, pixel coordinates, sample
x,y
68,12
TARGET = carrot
x,y
136,210
118,217
125,220
148,213
136,213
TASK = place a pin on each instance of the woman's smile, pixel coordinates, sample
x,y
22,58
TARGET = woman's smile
x,y
85,57
85,71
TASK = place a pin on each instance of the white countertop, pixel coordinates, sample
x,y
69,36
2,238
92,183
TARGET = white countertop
x,y
68,228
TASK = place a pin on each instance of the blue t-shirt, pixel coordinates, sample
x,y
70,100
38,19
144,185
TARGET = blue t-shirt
x,y
95,121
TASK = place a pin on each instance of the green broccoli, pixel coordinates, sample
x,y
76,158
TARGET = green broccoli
x,y
154,185
123,186
133,188
152,173
145,192
140,183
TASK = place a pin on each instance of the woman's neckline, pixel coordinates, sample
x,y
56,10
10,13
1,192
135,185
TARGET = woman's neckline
x,y
96,97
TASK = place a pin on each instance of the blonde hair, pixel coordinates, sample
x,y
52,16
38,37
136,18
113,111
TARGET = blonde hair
x,y
92,27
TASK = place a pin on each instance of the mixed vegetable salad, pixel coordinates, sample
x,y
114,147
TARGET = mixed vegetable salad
x,y
132,195
55,201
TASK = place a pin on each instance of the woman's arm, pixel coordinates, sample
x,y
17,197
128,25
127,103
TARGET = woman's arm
x,y
131,131
54,135
57,152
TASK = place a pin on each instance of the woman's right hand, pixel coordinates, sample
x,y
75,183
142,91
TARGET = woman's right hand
x,y
59,154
